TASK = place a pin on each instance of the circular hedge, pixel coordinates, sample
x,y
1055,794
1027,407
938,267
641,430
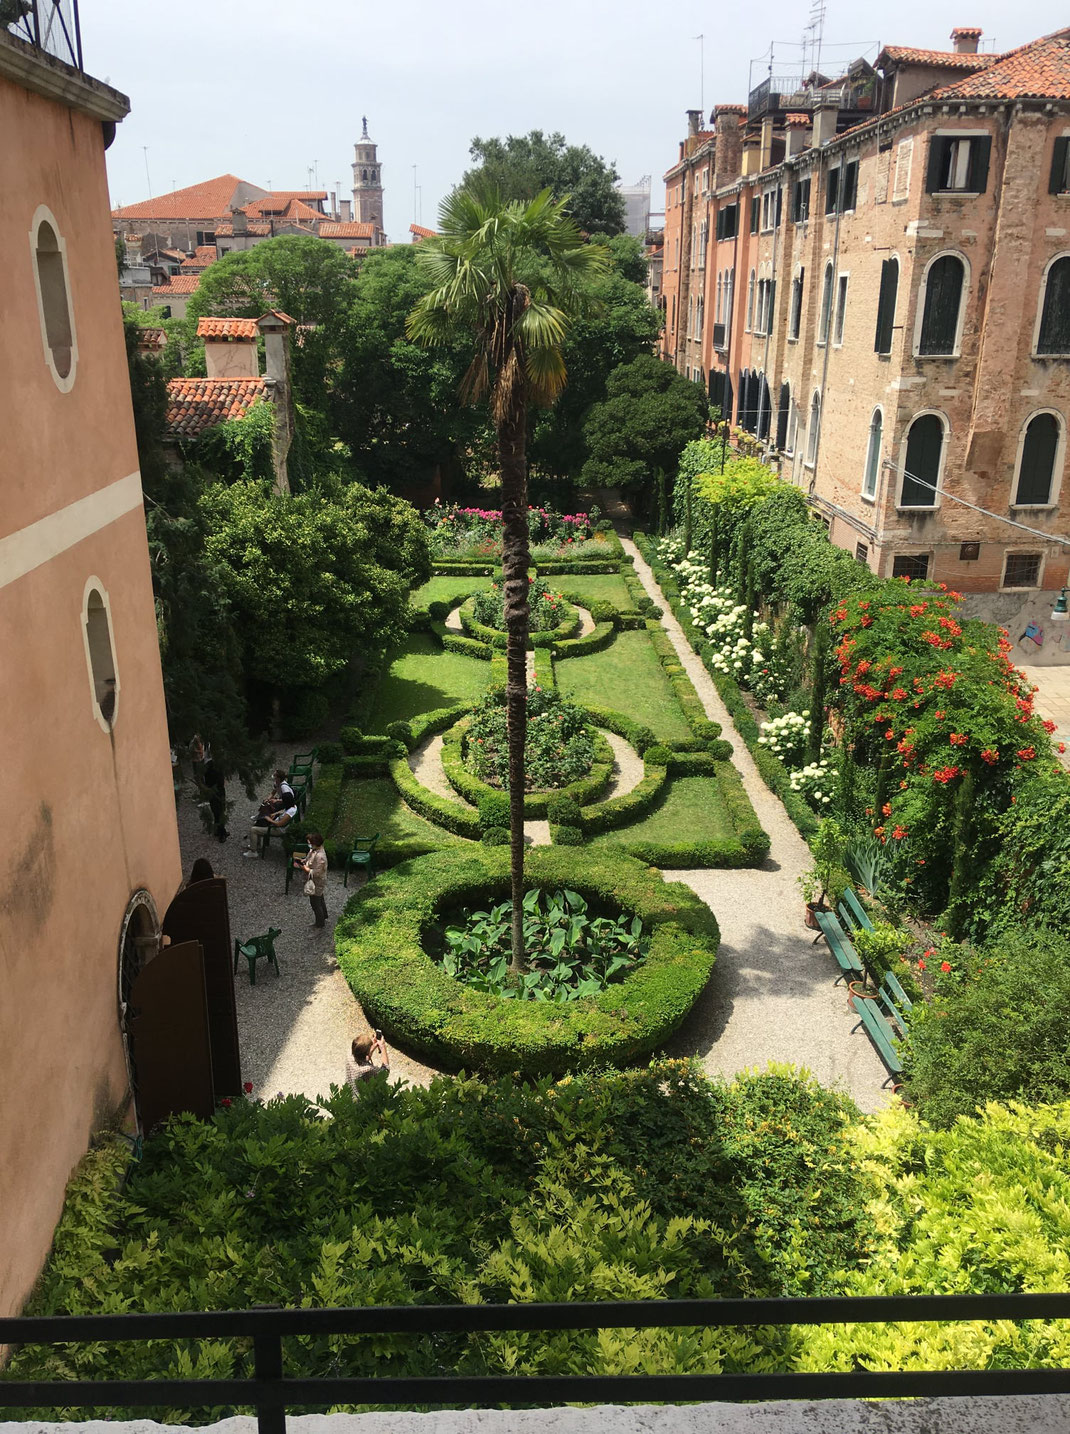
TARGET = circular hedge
x,y
569,626
466,784
379,942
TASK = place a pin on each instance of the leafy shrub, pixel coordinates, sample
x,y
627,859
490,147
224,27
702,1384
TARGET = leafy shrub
x,y
996,1027
884,949
563,809
602,611
558,748
305,712
546,609
379,945
351,738
566,835
570,952
706,730
439,610
329,752
659,756
495,836
401,732
494,809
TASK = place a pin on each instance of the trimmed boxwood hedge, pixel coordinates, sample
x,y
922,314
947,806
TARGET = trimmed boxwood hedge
x,y
472,789
481,632
402,990
462,567
618,811
462,821
771,769
602,636
464,646
323,803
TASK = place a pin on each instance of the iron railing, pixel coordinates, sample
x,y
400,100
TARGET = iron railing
x,y
48,25
270,1393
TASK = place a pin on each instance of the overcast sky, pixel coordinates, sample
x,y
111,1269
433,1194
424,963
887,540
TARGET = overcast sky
x,y
270,90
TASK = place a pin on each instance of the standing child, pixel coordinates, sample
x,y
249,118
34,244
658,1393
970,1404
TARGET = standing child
x,y
315,865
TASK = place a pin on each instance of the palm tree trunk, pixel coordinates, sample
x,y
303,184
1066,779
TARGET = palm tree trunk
x,y
515,559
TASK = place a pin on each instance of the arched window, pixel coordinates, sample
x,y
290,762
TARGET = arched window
x,y
941,322
795,318
1053,336
873,455
813,432
1040,447
921,467
782,416
826,305
53,299
100,654
764,415
364,175
750,300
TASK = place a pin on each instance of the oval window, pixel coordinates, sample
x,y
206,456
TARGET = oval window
x,y
53,299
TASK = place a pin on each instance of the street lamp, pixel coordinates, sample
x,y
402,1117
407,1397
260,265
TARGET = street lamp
x,y
1059,612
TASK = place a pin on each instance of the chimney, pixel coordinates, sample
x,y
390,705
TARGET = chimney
x,y
334,204
275,328
965,39
694,122
239,221
345,208
132,248
766,142
798,134
826,113
728,145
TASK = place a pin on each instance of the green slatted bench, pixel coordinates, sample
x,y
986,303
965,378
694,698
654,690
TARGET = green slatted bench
x,y
853,914
839,944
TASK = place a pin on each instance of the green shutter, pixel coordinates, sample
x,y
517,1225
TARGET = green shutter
x,y
1038,460
882,343
1057,184
980,149
924,442
943,296
938,146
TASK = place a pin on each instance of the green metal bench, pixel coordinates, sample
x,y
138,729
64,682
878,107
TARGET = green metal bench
x,y
839,944
878,1026
301,767
853,914
258,948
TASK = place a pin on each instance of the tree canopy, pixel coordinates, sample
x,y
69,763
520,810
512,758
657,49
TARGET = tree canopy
x,y
650,413
521,166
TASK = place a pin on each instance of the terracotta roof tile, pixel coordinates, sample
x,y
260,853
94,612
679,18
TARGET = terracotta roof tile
x,y
798,121
227,329
280,206
179,284
208,200
358,251
346,229
730,109
944,59
421,232
1039,70
152,339
202,256
196,404
255,227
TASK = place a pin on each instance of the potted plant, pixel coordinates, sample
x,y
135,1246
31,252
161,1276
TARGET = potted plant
x,y
827,879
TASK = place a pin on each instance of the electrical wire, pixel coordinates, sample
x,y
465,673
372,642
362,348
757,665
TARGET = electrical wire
x,y
1011,522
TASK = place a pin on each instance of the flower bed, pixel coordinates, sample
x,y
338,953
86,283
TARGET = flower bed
x,y
552,618
476,533
380,945
582,790
558,748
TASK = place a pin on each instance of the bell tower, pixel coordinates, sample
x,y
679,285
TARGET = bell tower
x,y
367,181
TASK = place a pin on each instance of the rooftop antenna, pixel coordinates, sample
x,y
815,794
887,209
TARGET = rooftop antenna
x,y
148,181
816,29
701,73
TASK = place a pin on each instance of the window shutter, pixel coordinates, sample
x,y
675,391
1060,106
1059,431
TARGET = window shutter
x,y
782,417
779,206
755,214
980,149
1057,183
923,461
832,189
882,343
938,147
772,306
850,185
943,296
1055,320
1038,460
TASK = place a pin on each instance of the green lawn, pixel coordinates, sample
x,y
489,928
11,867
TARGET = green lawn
x,y
373,805
423,677
441,589
595,587
626,677
693,811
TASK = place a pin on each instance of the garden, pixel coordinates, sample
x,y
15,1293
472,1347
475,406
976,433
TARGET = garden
x,y
620,757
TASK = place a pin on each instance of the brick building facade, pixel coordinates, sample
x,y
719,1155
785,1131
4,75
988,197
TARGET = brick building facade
x,y
872,274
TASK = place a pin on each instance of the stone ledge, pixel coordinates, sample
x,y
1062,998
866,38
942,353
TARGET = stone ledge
x,y
998,1414
36,70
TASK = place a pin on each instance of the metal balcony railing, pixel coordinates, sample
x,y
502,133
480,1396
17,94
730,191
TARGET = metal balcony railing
x,y
270,1393
48,25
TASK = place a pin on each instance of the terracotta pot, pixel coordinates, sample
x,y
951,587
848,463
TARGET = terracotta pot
x,y
810,918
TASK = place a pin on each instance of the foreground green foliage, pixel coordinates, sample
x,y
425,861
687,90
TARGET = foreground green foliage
x,y
650,1184
386,954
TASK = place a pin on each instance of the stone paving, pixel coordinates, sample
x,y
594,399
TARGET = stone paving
x,y
1053,701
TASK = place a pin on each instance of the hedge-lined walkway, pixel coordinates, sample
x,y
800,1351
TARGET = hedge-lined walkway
x,y
771,997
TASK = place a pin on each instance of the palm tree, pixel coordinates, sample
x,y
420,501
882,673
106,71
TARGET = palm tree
x,y
512,273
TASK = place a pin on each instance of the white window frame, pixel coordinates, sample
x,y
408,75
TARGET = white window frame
x,y
93,584
43,215
963,157
796,278
964,302
792,435
1032,552
751,286
872,497
1062,254
1057,467
839,316
935,504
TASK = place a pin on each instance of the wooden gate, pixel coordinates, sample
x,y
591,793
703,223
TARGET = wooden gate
x,y
199,913
167,1027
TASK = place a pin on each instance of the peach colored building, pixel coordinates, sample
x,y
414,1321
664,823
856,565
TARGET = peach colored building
x,y
91,856
872,274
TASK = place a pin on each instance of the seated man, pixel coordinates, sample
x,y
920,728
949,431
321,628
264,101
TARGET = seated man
x,y
278,811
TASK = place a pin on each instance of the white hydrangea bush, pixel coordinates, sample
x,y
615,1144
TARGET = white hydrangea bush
x,y
786,736
815,782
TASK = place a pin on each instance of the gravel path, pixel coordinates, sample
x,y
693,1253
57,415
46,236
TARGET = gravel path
x,y
294,1028
627,769
453,621
426,763
772,995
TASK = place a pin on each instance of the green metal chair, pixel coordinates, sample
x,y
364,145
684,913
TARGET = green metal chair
x,y
362,855
301,766
295,856
257,948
